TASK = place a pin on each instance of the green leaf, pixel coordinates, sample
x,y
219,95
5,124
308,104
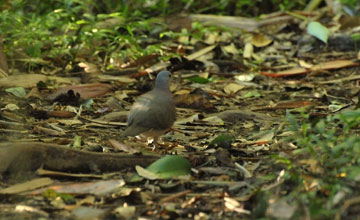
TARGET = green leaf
x,y
166,167
318,30
354,173
34,49
144,173
81,22
355,36
251,94
17,91
291,119
198,79
223,138
77,141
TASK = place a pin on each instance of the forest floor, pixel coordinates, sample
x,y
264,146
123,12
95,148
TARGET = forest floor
x,y
266,118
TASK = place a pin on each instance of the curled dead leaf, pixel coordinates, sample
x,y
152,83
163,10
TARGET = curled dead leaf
x,y
194,100
260,40
85,90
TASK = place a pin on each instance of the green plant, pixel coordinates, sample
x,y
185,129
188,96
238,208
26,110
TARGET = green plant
x,y
351,3
326,163
66,29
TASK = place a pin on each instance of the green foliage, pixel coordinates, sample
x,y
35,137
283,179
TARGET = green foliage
x,y
169,166
286,5
198,79
17,91
38,31
52,195
221,140
351,3
67,29
318,30
252,94
331,149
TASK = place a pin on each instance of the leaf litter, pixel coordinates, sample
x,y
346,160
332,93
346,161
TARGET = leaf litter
x,y
232,95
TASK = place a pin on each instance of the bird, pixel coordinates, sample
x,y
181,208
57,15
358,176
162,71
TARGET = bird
x,y
153,113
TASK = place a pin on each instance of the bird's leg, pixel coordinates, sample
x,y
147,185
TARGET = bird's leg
x,y
153,142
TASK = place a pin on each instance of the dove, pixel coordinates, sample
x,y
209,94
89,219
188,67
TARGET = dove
x,y
154,112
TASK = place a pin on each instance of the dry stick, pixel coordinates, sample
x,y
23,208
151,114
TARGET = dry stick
x,y
174,196
104,122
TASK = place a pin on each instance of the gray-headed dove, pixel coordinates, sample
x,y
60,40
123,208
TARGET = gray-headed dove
x,y
154,112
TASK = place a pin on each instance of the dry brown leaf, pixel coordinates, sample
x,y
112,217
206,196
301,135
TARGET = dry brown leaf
x,y
335,64
211,37
231,48
100,188
122,147
122,79
247,24
234,205
233,88
61,114
248,51
84,90
31,80
200,53
26,186
304,64
69,122
260,40
290,104
41,130
196,101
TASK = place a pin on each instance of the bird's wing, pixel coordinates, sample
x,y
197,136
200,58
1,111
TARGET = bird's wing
x,y
153,110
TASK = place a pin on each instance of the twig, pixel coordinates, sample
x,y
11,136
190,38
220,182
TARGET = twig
x,y
174,196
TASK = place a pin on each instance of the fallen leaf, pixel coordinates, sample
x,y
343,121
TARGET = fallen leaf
x,y
335,64
31,80
88,213
233,88
201,52
198,99
11,107
126,212
98,188
248,51
29,209
27,186
318,30
234,205
231,48
247,24
260,40
166,167
85,90
121,79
